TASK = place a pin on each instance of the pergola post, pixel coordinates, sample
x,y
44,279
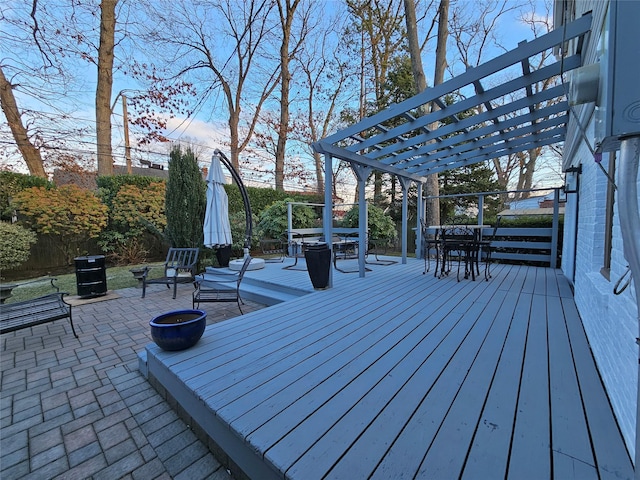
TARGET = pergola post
x,y
361,173
327,216
420,214
404,182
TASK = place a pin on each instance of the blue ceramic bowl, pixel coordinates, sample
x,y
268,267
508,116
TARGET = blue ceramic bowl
x,y
178,329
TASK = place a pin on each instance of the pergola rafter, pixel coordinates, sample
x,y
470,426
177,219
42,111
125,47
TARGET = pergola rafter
x,y
401,140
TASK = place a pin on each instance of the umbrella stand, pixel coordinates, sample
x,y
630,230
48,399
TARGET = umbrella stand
x,y
245,199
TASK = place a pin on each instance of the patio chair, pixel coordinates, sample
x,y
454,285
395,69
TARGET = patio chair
x,y
179,267
273,250
220,288
430,241
377,247
460,243
346,248
487,247
296,248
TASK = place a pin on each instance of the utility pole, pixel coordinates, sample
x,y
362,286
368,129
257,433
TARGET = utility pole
x,y
127,147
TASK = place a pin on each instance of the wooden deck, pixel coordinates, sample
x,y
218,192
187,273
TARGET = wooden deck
x,y
402,375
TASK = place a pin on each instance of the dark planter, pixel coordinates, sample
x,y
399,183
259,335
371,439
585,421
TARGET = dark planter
x,y
223,255
138,274
178,329
5,291
318,258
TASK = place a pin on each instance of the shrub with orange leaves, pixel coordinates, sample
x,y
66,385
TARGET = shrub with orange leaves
x,y
69,212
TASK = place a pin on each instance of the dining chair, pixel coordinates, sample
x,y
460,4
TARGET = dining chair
x,y
460,244
430,241
487,247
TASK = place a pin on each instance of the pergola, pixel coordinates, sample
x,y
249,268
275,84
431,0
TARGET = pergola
x,y
514,107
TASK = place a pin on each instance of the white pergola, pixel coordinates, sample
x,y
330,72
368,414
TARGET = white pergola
x,y
514,110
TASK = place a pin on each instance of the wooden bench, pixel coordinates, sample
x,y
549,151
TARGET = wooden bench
x,y
28,313
179,267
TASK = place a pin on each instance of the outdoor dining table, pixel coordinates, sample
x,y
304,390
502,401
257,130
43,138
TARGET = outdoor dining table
x,y
462,238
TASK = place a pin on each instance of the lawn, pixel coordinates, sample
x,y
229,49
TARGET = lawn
x,y
117,278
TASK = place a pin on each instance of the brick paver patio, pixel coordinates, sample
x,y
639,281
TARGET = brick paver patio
x,y
79,408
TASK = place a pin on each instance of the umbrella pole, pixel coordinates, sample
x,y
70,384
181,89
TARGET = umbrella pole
x,y
245,197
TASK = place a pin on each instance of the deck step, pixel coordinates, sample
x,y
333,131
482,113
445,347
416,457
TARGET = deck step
x,y
268,293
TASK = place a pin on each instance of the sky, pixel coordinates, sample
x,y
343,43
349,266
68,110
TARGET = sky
x,y
207,129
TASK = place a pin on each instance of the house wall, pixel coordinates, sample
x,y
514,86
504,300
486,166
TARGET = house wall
x,y
610,320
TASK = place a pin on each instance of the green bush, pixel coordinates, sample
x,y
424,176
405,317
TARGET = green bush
x,y
110,185
261,198
185,200
381,226
136,220
238,231
15,245
273,219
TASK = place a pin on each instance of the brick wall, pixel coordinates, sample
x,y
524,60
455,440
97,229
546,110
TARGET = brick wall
x,y
610,320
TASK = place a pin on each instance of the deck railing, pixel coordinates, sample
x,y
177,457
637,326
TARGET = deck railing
x,y
520,244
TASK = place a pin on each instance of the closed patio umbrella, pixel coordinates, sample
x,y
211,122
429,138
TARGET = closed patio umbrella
x,y
217,229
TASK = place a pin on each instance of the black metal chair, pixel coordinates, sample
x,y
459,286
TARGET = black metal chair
x,y
378,247
220,288
456,243
274,250
487,247
430,241
179,267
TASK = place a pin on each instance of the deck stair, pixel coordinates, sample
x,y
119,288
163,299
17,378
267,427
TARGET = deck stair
x,y
261,289
269,293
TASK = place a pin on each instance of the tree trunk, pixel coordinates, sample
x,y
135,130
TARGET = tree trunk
x,y
234,138
105,85
287,9
528,161
30,153
431,187
283,127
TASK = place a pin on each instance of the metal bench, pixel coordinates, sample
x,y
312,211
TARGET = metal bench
x,y
179,267
28,313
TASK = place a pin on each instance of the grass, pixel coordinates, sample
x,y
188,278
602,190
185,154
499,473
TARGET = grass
x,y
117,278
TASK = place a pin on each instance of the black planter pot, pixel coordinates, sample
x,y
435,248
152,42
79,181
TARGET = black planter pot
x,y
223,255
318,259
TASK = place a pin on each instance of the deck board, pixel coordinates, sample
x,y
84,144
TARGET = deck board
x,y
488,456
608,446
403,375
530,452
570,437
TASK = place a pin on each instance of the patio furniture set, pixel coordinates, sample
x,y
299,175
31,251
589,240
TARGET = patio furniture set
x,y
463,244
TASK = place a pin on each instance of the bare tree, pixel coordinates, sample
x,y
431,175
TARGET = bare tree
x,y
287,13
30,70
223,46
432,188
326,76
474,31
379,23
47,46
